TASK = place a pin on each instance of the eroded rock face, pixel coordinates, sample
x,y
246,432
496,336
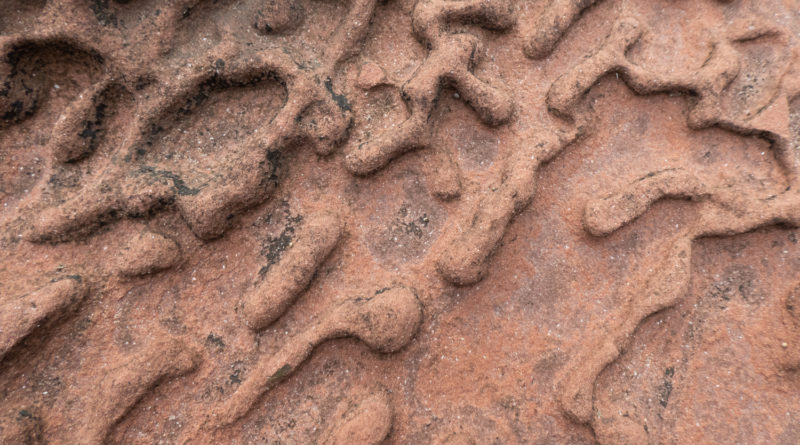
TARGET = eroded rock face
x,y
432,221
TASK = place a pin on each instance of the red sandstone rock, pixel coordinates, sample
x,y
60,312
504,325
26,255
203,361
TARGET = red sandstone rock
x,y
455,222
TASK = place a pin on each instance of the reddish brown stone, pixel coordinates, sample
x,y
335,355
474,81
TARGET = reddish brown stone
x,y
432,221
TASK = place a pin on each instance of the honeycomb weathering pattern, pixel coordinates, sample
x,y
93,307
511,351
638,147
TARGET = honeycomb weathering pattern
x,y
470,221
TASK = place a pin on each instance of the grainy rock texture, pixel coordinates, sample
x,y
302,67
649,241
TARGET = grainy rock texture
x,y
400,222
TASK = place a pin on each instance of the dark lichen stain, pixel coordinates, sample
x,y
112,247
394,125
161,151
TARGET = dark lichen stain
x,y
235,378
651,174
94,128
281,373
413,227
215,340
274,246
101,12
274,159
665,389
14,112
177,182
340,99
737,281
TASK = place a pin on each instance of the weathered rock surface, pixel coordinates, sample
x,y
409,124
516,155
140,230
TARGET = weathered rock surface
x,y
430,221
